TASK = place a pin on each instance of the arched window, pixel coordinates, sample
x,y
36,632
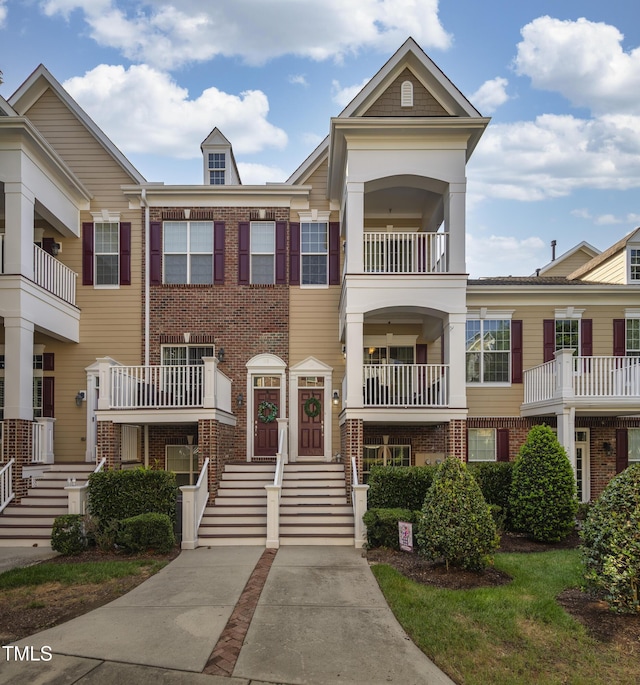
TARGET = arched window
x,y
406,94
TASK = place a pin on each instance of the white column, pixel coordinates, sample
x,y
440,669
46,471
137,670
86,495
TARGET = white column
x,y
359,510
454,356
18,374
564,374
455,225
273,516
19,217
353,372
104,382
567,433
355,228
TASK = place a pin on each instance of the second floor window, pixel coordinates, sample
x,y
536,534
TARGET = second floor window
x,y
107,253
632,337
634,264
263,252
188,252
314,253
568,335
488,345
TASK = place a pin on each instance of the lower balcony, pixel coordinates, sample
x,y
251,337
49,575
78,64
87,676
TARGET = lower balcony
x,y
603,384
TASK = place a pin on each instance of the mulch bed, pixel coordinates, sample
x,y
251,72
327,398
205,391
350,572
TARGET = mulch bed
x,y
593,612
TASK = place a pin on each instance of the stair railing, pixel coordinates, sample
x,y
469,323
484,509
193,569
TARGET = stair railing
x,y
275,490
78,495
194,502
6,484
359,502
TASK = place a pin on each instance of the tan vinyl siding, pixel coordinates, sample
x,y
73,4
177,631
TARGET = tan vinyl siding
x,y
614,270
111,319
388,104
506,401
313,332
318,181
569,265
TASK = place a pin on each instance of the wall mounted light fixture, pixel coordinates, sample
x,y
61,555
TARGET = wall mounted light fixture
x,y
221,354
80,398
240,400
336,398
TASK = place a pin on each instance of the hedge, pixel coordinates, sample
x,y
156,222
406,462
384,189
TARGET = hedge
x,y
382,526
146,532
494,479
403,487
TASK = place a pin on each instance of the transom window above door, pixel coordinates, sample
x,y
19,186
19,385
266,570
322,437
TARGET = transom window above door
x,y
188,252
266,381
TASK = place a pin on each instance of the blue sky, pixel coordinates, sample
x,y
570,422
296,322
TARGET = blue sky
x,y
561,81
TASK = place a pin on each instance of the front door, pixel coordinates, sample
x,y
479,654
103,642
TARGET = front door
x,y
311,422
266,402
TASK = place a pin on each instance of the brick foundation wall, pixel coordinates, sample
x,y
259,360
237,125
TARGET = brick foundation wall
x,y
108,444
161,435
17,445
457,439
430,439
351,443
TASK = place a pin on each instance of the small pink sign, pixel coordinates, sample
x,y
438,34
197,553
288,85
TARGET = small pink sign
x,y
405,531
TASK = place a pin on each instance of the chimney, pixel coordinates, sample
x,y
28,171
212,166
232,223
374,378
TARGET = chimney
x,y
553,250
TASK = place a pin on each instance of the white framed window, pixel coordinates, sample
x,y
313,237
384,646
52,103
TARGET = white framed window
x,y
633,445
482,444
314,253
185,355
217,165
188,252
183,461
384,455
568,335
488,350
107,253
263,252
634,263
632,337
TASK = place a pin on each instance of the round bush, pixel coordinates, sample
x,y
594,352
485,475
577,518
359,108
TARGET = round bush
x,y
543,488
611,542
67,535
456,524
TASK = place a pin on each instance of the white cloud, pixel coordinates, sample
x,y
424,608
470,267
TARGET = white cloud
x,y
606,219
343,96
498,255
582,60
158,33
3,12
144,110
298,80
259,174
555,155
490,95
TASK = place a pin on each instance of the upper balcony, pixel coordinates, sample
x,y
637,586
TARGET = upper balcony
x,y
405,253
602,384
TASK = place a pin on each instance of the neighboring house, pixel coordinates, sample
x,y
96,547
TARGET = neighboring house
x,y
164,325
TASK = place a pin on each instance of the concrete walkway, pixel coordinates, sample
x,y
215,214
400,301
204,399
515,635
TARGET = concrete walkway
x,y
232,615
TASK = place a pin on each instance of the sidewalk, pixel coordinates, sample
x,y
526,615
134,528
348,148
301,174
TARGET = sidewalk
x,y
319,619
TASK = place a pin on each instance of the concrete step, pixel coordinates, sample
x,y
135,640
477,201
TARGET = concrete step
x,y
238,501
47,501
242,492
46,492
313,466
20,519
25,541
261,476
26,509
324,529
310,483
320,497
250,468
294,508
240,529
303,490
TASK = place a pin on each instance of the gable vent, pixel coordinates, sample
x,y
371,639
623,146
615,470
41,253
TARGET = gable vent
x,y
406,94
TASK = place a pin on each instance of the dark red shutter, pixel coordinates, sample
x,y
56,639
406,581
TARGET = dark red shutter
x,y
125,253
218,252
502,444
619,337
48,361
294,254
155,253
47,245
586,337
516,351
421,353
281,252
87,254
244,252
548,339
622,449
48,387
334,253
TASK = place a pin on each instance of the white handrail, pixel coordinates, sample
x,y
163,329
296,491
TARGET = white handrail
x,y
274,490
354,472
405,253
53,275
78,495
359,502
6,484
194,502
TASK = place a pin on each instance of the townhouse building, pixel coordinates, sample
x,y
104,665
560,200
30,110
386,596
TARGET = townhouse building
x,y
327,320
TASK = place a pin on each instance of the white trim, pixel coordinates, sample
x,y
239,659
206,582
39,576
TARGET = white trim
x,y
632,313
569,313
310,367
586,463
491,314
263,365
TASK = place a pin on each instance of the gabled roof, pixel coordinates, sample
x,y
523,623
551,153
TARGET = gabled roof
x,y
603,256
33,88
584,246
6,110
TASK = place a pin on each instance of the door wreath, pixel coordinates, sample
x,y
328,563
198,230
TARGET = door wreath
x,y
267,412
312,407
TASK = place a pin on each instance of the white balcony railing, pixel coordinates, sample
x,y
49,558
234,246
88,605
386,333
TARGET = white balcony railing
x,y
406,253
153,387
54,276
406,385
586,377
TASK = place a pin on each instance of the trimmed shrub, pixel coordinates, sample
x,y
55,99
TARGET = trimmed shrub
x,y
146,532
494,479
543,488
403,487
611,542
456,524
382,526
117,495
67,534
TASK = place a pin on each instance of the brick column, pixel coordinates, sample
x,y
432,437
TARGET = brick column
x,y
457,439
108,444
17,445
208,448
351,445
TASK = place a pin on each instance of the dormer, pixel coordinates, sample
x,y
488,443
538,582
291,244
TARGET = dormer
x,y
219,164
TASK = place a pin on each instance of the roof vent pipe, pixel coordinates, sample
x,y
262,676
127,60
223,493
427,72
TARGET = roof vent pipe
x,y
537,272
553,250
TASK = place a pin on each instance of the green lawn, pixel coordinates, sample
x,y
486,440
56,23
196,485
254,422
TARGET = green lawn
x,y
515,633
